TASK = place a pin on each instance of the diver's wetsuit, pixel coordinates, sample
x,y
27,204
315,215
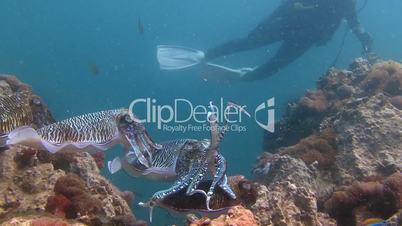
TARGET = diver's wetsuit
x,y
299,24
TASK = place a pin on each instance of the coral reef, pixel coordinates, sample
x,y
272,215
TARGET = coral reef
x,y
67,185
236,216
289,199
53,187
332,150
39,220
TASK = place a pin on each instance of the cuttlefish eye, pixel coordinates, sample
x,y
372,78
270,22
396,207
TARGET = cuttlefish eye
x,y
36,101
128,119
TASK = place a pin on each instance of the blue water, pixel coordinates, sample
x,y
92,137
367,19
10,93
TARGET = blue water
x,y
50,45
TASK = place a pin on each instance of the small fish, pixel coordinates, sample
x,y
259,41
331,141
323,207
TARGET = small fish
x,y
140,26
374,222
94,69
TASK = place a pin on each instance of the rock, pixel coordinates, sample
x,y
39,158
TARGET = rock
x,y
25,189
396,219
284,203
348,130
65,184
369,139
39,220
236,216
32,188
289,197
396,101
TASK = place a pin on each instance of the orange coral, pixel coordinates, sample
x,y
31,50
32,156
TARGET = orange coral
x,y
236,216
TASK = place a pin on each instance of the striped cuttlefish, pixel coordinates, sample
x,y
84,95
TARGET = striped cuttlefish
x,y
15,112
91,132
185,161
221,202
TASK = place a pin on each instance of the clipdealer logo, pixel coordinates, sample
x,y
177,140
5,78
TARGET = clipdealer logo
x,y
183,116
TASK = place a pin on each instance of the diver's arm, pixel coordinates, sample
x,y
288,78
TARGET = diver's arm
x,y
363,36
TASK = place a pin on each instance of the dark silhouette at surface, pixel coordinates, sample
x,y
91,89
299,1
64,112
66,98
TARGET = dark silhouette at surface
x,y
299,25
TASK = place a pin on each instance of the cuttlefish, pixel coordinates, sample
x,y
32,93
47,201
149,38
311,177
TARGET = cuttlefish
x,y
90,132
15,111
179,202
186,161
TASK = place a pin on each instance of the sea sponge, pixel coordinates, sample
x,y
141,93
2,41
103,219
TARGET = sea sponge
x,y
382,198
70,186
25,157
58,205
80,202
59,160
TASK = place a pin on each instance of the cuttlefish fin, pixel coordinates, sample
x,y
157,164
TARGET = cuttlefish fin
x,y
114,166
25,135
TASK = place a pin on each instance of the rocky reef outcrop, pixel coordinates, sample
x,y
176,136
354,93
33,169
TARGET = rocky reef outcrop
x,y
337,156
237,215
39,188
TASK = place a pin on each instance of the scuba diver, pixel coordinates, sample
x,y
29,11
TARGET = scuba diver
x,y
298,24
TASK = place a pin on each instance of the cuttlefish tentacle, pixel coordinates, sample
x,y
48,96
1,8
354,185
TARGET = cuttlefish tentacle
x,y
197,175
147,147
219,176
179,184
190,179
225,186
139,139
147,138
138,153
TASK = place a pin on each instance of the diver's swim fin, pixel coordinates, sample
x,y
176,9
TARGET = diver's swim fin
x,y
219,73
114,166
178,57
